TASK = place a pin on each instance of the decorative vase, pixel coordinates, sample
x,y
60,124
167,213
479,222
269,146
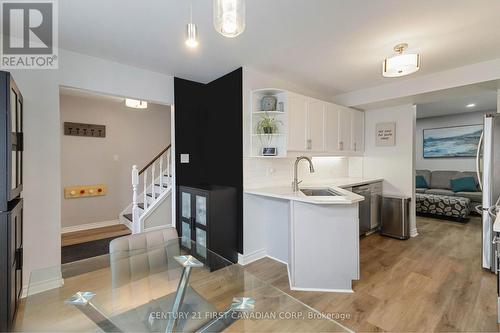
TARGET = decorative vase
x,y
268,103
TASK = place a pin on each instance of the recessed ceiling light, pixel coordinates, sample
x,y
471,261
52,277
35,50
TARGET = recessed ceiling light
x,y
471,105
136,104
401,64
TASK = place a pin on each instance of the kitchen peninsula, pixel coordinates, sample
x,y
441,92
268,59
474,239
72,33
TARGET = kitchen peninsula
x,y
315,231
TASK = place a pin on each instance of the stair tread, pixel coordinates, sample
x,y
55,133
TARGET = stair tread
x,y
128,217
164,185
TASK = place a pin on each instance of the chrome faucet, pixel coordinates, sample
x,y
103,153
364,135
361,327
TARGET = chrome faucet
x,y
296,182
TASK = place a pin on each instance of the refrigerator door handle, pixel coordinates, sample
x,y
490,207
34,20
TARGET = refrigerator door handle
x,y
478,156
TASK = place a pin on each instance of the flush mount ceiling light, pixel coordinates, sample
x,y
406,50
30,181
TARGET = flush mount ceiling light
x,y
471,105
191,31
136,104
401,64
229,17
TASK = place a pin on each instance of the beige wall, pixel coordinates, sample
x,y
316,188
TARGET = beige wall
x,y
395,164
132,137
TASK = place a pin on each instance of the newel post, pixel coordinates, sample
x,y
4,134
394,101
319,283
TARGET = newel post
x,y
135,206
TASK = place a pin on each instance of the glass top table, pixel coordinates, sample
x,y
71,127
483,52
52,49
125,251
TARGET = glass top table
x,y
176,287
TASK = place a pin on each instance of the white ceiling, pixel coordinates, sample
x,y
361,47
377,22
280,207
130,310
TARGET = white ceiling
x,y
485,101
330,46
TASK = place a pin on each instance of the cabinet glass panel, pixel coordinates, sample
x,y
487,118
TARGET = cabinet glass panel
x,y
186,235
186,205
19,116
13,112
201,210
201,238
13,180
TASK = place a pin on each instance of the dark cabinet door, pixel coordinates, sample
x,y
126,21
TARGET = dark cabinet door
x,y
194,219
14,146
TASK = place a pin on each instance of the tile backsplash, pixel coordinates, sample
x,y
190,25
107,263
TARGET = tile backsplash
x,y
262,172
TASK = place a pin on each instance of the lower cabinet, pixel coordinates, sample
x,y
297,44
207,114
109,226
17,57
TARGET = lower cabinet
x,y
207,216
11,261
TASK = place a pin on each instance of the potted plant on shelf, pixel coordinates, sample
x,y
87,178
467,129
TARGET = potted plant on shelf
x,y
266,127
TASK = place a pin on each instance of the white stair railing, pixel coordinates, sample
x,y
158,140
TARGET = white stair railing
x,y
153,188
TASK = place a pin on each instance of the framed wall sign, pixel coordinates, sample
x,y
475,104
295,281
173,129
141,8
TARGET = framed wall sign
x,y
385,134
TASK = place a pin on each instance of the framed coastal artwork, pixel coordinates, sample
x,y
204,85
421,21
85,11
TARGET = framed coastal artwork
x,y
457,141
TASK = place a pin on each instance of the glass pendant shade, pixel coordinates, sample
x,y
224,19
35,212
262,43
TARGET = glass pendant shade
x,y
229,17
191,35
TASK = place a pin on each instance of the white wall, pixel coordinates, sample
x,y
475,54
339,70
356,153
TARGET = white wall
x,y
395,164
132,137
42,164
459,164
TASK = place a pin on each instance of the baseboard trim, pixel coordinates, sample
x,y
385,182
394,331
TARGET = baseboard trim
x,y
245,259
88,226
413,232
41,286
345,291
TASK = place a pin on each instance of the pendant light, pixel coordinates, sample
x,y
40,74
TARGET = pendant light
x,y
401,64
229,17
191,31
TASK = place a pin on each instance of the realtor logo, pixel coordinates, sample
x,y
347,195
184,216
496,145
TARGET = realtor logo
x,y
29,35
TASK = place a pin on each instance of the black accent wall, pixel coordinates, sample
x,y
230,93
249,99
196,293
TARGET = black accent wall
x,y
209,127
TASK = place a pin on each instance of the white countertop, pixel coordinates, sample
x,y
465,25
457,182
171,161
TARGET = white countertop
x,y
343,182
285,192
346,197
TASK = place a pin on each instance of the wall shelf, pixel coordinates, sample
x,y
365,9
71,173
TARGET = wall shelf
x,y
275,140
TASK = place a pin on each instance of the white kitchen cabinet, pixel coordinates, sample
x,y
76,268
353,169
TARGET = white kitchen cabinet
x,y
305,125
315,125
357,131
345,126
297,120
331,127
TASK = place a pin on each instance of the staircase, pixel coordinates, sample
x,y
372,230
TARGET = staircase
x,y
150,208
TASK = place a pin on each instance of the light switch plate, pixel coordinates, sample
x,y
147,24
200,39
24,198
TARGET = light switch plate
x,y
184,158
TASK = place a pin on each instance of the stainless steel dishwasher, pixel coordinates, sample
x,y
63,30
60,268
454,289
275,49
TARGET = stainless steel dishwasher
x,y
365,211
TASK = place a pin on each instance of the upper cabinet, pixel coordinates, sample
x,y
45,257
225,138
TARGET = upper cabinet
x,y
297,118
345,128
315,125
287,122
357,131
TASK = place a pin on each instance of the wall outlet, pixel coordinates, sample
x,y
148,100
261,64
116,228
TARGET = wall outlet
x,y
184,158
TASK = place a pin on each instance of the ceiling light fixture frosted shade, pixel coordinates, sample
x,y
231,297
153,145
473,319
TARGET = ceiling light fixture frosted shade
x,y
136,104
229,17
471,105
401,64
191,35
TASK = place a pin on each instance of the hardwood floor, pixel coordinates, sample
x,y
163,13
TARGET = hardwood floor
x,y
84,236
433,282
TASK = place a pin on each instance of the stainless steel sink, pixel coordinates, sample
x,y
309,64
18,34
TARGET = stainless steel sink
x,y
319,192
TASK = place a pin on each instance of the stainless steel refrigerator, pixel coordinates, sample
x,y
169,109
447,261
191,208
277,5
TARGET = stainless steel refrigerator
x,y
489,150
11,203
